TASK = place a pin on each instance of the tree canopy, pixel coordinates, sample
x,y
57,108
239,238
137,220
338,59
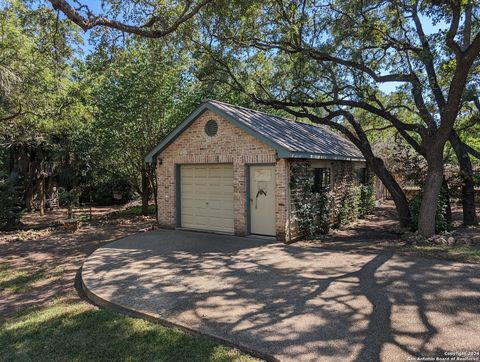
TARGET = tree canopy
x,y
406,70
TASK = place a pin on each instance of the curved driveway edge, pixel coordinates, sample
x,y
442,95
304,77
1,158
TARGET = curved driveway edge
x,y
168,323
290,302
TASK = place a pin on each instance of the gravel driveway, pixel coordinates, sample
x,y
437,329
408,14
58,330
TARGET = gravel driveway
x,y
293,302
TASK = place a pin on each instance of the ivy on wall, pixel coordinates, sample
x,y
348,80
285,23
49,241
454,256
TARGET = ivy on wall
x,y
313,210
349,209
357,202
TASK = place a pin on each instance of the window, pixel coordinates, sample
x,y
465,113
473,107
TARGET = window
x,y
211,128
361,176
321,180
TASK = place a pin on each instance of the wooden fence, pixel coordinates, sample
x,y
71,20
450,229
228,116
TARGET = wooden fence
x,y
382,193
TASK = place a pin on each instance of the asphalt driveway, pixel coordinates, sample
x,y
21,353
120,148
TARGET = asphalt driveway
x,y
293,302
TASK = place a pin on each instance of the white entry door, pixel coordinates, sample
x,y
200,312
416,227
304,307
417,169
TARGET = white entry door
x,y
207,197
262,200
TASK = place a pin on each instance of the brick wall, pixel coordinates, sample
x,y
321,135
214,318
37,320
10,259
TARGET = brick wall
x,y
229,145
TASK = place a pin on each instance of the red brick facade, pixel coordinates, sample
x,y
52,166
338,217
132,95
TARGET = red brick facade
x,y
233,145
229,145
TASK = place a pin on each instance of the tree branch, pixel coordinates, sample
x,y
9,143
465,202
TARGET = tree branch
x,y
427,60
452,31
145,30
472,151
12,116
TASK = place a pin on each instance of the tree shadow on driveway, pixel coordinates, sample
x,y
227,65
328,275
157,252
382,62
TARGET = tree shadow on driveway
x,y
293,302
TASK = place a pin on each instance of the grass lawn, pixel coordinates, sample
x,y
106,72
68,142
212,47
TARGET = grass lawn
x,y
42,318
17,281
134,211
463,253
77,331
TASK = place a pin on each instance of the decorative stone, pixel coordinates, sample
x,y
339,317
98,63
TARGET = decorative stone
x,y
475,240
450,240
463,241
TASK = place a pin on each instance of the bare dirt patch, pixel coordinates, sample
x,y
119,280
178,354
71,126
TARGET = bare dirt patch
x,y
37,265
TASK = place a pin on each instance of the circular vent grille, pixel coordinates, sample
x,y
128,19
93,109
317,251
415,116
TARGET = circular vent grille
x,y
211,128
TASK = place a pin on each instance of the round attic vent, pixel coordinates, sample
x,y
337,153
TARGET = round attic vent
x,y
211,128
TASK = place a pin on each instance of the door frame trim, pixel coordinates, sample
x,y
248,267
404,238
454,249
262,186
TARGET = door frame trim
x,y
178,195
247,193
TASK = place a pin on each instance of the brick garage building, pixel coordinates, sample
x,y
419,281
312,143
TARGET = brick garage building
x,y
227,169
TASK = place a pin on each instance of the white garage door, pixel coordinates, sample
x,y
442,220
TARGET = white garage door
x,y
207,197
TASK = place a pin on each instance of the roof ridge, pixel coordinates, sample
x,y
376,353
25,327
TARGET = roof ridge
x,y
268,114
290,139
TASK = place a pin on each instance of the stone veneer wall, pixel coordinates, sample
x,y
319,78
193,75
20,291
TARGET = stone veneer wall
x,y
229,145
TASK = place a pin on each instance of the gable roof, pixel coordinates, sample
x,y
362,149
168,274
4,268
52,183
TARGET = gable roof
x,y
289,138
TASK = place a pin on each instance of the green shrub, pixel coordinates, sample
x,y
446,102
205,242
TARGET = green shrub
x,y
134,211
68,199
350,208
103,193
312,209
313,215
10,205
441,217
367,200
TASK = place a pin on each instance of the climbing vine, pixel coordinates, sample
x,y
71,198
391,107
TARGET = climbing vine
x,y
357,203
367,197
312,209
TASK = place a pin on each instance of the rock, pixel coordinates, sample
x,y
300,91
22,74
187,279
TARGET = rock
x,y
441,241
413,238
475,240
450,240
463,241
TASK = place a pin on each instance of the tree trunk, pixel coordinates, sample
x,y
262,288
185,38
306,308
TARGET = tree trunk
x,y
468,186
446,191
401,204
29,192
145,192
41,195
378,167
431,193
153,186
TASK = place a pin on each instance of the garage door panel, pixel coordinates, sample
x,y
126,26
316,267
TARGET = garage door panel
x,y
222,205
207,197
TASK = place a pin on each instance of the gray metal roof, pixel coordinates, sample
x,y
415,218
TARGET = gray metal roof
x,y
291,139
